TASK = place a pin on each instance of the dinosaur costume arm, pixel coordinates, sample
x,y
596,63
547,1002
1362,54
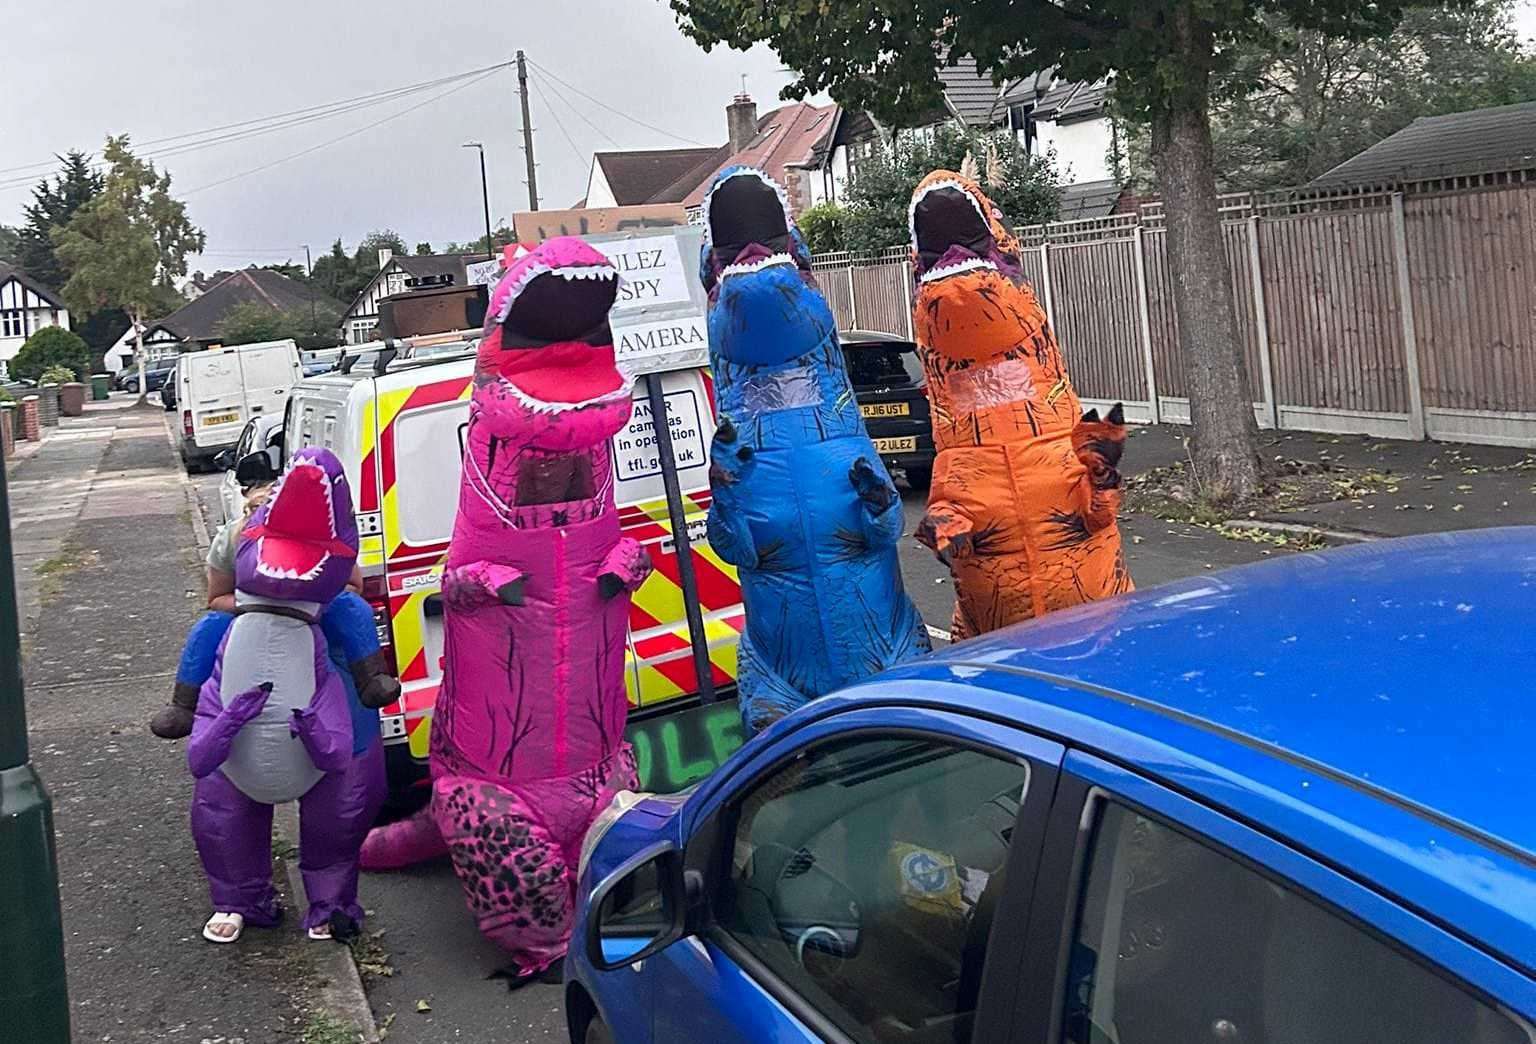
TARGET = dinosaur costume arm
x,y
214,731
325,726
881,514
730,465
482,583
624,568
945,529
1099,445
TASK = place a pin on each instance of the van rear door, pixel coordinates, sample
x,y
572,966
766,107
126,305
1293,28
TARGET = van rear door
x,y
215,397
268,372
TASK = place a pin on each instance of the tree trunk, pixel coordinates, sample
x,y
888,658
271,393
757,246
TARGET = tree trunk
x,y
138,354
1220,403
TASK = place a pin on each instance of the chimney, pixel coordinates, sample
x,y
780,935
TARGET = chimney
x,y
385,256
741,119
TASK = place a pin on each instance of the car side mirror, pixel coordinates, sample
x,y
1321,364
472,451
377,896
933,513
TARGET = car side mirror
x,y
224,459
638,910
253,468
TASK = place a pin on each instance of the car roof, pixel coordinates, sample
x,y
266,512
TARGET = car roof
x,y
1386,684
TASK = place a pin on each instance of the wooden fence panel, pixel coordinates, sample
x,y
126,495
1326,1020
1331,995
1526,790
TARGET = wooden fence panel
x,y
880,297
1167,363
1098,322
1472,276
1330,292
833,281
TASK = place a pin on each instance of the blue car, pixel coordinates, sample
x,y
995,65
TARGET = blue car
x,y
1293,803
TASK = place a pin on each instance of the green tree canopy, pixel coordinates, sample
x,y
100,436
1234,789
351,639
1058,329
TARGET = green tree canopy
x,y
1295,103
1167,57
825,227
251,322
54,203
49,347
10,240
879,195
501,237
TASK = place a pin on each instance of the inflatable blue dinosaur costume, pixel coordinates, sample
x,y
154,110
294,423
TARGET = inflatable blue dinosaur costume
x,y
802,504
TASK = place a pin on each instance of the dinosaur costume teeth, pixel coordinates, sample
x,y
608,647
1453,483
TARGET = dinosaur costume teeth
x,y
528,731
802,504
1025,488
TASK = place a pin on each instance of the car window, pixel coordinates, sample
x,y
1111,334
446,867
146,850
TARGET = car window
x,y
878,363
864,875
1176,941
247,437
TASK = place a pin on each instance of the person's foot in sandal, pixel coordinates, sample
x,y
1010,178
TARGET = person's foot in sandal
x,y
320,933
224,927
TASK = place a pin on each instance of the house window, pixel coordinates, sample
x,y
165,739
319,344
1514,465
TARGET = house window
x,y
361,330
13,324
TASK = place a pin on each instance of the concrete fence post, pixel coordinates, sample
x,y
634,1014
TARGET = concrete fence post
x,y
853,301
1045,282
1144,314
1261,320
1417,422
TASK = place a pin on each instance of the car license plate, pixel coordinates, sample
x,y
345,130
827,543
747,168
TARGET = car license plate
x,y
905,444
211,419
885,409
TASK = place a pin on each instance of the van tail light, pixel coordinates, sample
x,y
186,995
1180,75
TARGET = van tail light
x,y
186,422
376,594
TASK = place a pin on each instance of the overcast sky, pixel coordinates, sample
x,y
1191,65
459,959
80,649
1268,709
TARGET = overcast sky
x,y
74,72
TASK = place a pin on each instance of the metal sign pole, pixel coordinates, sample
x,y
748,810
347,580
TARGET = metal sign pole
x,y
703,670
33,993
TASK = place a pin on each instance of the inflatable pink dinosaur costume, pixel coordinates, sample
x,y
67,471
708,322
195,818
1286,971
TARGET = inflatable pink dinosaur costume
x,y
528,731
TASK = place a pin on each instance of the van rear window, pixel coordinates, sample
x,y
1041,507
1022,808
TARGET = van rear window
x,y
427,449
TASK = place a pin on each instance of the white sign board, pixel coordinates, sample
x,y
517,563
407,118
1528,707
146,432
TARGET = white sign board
x,y
637,461
486,273
658,319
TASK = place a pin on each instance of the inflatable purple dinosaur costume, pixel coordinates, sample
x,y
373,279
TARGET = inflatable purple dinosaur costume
x,y
528,731
273,722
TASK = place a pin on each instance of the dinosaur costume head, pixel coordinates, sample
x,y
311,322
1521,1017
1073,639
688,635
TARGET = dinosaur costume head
x,y
764,306
300,545
989,352
547,393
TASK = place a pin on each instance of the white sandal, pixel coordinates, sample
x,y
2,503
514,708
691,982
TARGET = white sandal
x,y
320,933
220,920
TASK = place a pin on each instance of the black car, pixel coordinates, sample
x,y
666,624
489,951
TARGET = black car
x,y
888,383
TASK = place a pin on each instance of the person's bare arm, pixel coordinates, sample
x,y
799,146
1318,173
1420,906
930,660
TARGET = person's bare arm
x,y
221,591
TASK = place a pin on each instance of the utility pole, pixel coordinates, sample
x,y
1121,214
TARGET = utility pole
x,y
522,89
33,992
309,273
485,199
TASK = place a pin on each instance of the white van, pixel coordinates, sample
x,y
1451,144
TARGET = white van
x,y
218,390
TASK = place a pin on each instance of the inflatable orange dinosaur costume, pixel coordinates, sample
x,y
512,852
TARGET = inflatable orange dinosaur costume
x,y
1025,490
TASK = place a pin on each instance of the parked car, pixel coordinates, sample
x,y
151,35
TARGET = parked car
x,y
168,390
156,373
262,434
888,383
1284,804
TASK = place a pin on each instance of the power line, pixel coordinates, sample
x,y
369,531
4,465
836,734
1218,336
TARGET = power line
x,y
343,137
617,112
584,119
298,116
580,159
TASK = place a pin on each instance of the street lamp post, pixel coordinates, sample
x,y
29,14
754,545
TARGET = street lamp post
x,y
33,993
485,199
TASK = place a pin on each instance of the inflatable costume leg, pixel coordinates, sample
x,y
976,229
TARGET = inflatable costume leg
x,y
334,817
234,841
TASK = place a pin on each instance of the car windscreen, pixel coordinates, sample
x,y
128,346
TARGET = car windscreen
x,y
875,363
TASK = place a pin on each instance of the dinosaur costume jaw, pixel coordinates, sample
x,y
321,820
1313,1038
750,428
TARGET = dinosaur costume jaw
x,y
301,543
950,231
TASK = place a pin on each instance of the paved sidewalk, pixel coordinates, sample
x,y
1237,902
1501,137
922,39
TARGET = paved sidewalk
x,y
110,581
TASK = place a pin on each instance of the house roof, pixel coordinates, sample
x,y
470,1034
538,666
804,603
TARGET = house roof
x,y
645,175
789,136
1439,146
979,101
419,266
9,272
199,320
